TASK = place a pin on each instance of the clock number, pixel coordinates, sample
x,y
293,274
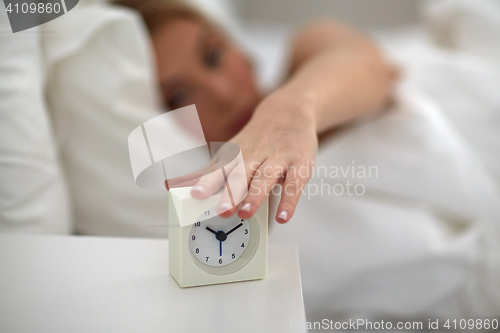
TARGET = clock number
x,y
197,250
242,244
246,231
193,237
207,213
220,261
197,224
233,256
206,259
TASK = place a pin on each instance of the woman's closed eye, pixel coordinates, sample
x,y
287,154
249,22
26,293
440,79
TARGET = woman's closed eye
x,y
212,57
177,100
212,51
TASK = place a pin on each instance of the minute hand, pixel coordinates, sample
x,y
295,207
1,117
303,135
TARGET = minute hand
x,y
230,231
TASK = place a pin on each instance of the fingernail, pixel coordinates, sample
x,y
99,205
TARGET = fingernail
x,y
246,207
225,206
283,214
198,188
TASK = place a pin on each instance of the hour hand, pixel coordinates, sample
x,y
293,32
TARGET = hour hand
x,y
211,230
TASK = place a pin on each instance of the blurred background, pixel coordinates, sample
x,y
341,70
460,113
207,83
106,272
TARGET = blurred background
x,y
379,14
267,25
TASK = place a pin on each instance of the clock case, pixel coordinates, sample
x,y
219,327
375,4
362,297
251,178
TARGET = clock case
x,y
187,271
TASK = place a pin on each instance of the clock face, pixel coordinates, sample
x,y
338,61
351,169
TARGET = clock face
x,y
218,241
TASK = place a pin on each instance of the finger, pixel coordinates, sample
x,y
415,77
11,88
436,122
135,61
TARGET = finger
x,y
261,184
208,185
227,213
193,178
211,183
238,178
237,183
295,181
236,191
190,179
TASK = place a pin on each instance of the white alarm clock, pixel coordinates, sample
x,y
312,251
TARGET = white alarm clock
x,y
205,248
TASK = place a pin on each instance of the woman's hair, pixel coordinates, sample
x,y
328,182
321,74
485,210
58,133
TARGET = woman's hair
x,y
158,12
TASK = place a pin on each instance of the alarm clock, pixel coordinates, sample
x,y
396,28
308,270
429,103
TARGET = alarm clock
x,y
205,248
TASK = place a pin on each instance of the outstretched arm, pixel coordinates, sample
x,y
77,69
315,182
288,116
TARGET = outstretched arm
x,y
340,72
336,75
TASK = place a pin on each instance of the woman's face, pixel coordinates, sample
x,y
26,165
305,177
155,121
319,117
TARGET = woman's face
x,y
198,65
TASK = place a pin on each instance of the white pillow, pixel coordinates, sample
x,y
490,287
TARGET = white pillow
x,y
101,85
33,196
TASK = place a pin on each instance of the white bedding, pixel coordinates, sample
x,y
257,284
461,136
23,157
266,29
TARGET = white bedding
x,y
33,193
424,239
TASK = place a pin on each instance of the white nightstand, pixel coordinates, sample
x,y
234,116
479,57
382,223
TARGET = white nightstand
x,y
96,284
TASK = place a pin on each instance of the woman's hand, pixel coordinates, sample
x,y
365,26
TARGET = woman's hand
x,y
279,146
337,75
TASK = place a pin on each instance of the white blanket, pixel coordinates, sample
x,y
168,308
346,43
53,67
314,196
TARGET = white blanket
x,y
423,238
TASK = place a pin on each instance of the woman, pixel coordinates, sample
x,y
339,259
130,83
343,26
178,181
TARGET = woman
x,y
335,75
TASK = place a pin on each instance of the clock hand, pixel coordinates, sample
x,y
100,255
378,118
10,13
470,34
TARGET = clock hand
x,y
230,231
220,248
212,231
220,235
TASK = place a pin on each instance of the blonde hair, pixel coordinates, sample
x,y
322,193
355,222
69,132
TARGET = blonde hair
x,y
158,12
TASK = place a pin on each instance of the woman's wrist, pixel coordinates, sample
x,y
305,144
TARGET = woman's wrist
x,y
284,106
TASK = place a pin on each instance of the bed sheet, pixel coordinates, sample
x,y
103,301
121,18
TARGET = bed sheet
x,y
421,236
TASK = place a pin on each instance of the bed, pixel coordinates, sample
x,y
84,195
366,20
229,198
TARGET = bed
x,y
417,236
